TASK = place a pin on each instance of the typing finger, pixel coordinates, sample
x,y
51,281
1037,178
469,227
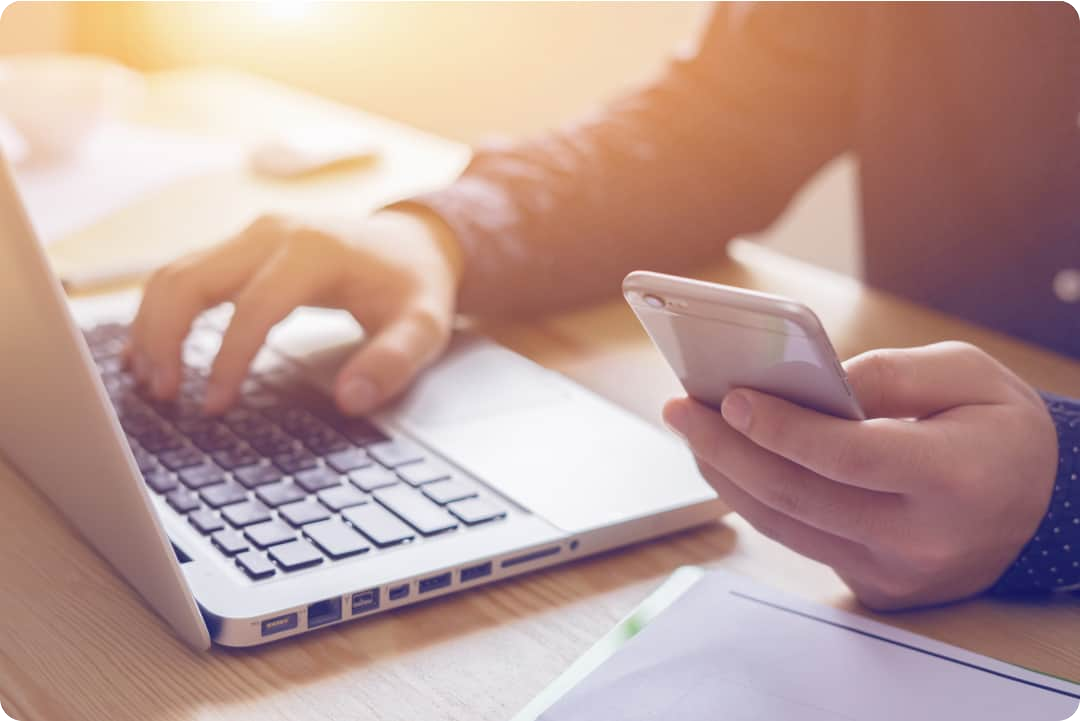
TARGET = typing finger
x,y
176,294
383,367
278,287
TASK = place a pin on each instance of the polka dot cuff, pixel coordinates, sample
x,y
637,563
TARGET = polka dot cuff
x,y
1051,560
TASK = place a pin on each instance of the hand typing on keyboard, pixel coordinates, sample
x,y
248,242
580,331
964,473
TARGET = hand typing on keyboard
x,y
282,482
396,272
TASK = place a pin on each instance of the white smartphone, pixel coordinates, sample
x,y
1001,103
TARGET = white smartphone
x,y
716,338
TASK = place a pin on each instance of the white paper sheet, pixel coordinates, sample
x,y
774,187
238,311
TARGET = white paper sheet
x,y
730,649
117,165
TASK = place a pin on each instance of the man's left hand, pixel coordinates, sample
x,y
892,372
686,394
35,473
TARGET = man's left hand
x,y
930,500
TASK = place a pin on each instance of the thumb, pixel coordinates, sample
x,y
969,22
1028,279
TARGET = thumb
x,y
923,381
387,363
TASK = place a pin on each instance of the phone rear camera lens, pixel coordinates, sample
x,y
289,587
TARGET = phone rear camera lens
x,y
654,301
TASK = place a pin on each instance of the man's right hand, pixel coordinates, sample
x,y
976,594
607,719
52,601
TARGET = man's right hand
x,y
396,272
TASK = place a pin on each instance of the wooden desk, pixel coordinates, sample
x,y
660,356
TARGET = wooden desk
x,y
76,642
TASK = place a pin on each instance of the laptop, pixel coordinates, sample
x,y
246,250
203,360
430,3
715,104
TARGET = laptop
x,y
282,516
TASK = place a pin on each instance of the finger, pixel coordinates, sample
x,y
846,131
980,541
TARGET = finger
x,y
855,513
178,293
386,364
919,382
838,553
273,292
880,455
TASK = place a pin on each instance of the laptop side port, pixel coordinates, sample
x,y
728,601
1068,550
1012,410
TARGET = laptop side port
x,y
279,624
530,557
434,583
471,573
396,593
323,612
365,601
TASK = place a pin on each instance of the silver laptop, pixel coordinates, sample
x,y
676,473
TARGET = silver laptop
x,y
281,516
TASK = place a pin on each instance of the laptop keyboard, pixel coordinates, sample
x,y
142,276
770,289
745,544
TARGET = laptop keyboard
x,y
282,482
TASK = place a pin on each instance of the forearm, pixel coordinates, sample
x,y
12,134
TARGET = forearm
x,y
661,179
1051,560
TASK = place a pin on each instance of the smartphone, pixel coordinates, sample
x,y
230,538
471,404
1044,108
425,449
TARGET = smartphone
x,y
716,338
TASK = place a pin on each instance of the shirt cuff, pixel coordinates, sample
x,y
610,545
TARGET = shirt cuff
x,y
1051,560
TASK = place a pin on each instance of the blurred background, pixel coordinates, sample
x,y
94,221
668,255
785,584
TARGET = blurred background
x,y
462,70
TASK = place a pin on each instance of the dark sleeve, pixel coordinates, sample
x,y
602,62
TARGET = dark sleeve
x,y
662,178
1051,560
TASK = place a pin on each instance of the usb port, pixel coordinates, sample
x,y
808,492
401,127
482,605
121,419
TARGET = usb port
x,y
365,601
474,572
396,593
434,583
279,624
323,612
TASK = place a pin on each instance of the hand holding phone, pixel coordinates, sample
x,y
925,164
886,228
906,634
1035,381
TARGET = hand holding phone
x,y
717,338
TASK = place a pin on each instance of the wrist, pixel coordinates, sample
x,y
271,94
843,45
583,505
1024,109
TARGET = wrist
x,y
422,221
1051,560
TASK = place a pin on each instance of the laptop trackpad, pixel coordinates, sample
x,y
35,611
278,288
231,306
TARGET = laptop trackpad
x,y
476,378
562,453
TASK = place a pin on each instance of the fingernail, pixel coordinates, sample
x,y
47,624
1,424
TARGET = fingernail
x,y
358,395
676,418
736,411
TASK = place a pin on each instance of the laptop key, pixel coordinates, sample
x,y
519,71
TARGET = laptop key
x,y
418,512
317,479
201,476
274,444
395,453
477,510
296,555
270,533
224,494
336,539
304,512
295,460
373,477
278,494
255,476
417,474
341,497
182,500
454,489
184,457
143,459
348,460
213,439
245,514
361,432
160,480
324,442
158,441
256,565
239,456
380,526
230,542
205,521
